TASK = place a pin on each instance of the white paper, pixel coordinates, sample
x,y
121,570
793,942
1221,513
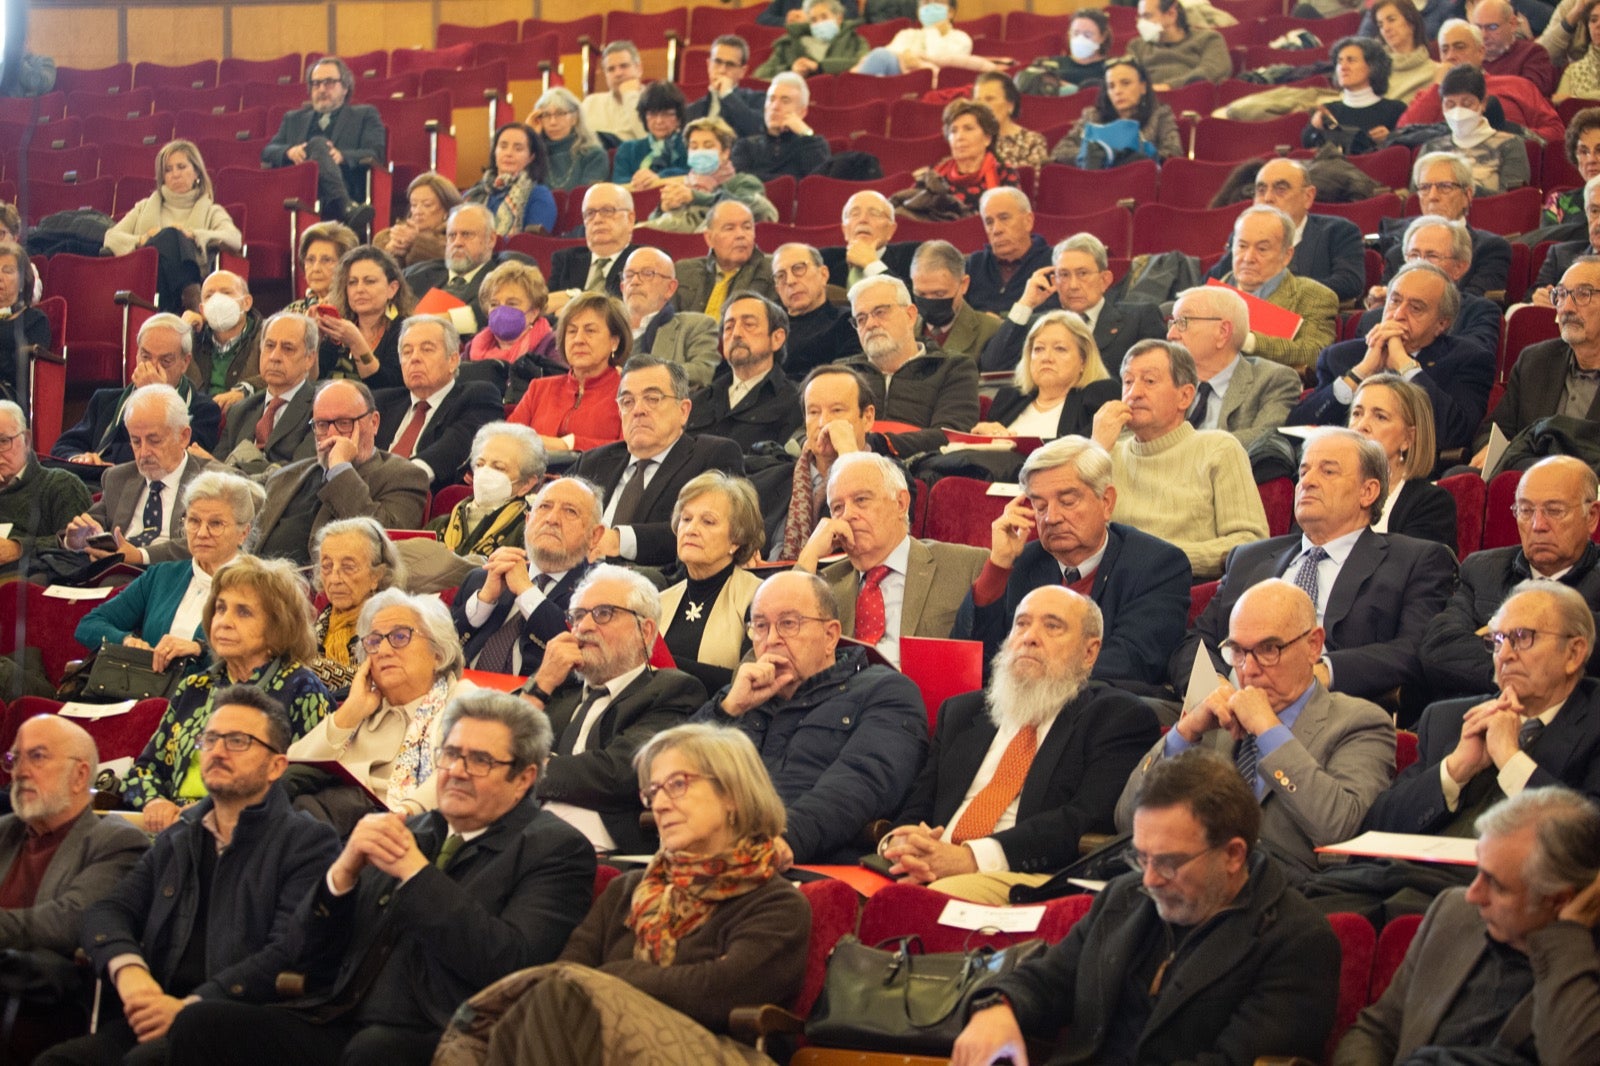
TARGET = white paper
x,y
1303,432
992,446
1496,448
96,710
1087,884
1415,846
66,592
959,914
5,530
1003,488
1203,679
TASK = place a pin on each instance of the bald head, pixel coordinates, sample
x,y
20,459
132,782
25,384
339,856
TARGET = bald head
x,y
1277,600
1556,512
1277,622
56,763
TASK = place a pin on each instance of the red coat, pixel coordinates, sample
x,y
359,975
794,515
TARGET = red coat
x,y
557,406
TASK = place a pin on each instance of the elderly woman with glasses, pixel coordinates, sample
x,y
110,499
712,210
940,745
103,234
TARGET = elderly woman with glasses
x,y
352,559
574,157
160,610
668,951
257,621
386,729
321,249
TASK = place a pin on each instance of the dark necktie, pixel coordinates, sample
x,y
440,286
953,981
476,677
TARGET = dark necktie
x,y
597,275
570,735
1530,733
1071,576
1306,576
408,437
1202,399
497,654
264,423
152,517
447,854
632,494
1245,757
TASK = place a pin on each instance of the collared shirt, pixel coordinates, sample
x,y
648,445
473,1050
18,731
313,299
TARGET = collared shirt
x,y
287,396
435,401
1092,563
478,612
986,851
1338,550
169,500
191,609
628,541
1512,778
1269,286
644,324
738,389
1219,383
586,819
1267,742
888,379
893,588
1577,395
1300,232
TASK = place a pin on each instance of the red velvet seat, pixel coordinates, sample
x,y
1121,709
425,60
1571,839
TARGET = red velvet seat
x,y
1357,946
1499,524
1470,495
1391,949
900,910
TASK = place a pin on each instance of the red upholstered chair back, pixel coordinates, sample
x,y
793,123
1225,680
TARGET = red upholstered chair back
x,y
1199,596
1277,499
833,914
603,876
1499,525
1391,949
1470,494
905,910
1357,944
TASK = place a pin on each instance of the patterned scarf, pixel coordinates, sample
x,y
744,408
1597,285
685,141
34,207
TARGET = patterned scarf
x,y
413,765
969,188
713,181
802,508
679,891
508,216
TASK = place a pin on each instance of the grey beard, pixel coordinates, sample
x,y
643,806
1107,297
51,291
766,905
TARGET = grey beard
x,y
1019,702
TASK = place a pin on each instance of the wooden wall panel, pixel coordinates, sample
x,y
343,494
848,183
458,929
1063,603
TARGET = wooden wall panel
x,y
363,26
485,12
174,35
266,31
59,32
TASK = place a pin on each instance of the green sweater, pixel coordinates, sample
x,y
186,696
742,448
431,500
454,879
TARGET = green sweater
x,y
567,171
39,503
844,51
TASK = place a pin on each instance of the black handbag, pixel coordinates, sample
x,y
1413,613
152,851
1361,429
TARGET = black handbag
x,y
875,999
122,673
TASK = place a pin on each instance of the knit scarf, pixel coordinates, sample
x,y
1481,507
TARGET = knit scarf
x,y
679,891
508,216
713,181
341,630
802,508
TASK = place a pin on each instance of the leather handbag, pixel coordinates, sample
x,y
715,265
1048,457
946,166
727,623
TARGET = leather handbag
x,y
891,998
123,673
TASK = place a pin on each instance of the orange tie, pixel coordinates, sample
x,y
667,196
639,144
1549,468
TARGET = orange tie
x,y
984,812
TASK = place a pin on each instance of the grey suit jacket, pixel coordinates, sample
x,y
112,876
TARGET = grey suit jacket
x,y
1319,784
1259,398
385,487
938,576
120,487
697,277
687,338
290,439
88,864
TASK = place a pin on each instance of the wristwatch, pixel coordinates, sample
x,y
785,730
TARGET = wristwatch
x,y
985,1000
537,693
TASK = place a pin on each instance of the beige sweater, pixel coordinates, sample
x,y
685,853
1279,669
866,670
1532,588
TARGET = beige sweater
x,y
208,221
1192,489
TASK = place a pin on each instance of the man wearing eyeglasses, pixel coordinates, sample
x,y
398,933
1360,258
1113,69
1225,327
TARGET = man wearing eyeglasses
x,y
605,700
340,137
1315,759
1541,726
726,66
1443,185
57,856
749,400
1245,395
469,239
641,474
1075,280
837,780
608,220
1327,249
867,223
1414,340
204,916
36,500
349,477
1507,54
1204,953
1556,515
732,264
415,915
1447,244
820,331
649,282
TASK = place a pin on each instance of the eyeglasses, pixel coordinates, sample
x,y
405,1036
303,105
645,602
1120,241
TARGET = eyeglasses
x,y
727,64
235,742
602,613
1266,654
32,757
592,213
1520,639
1435,258
324,83
674,786
476,763
1165,867
1581,294
798,271
880,313
1487,27
1182,322
398,638
643,275
650,398
7,442
1551,512
787,626
345,426
1425,188
1082,276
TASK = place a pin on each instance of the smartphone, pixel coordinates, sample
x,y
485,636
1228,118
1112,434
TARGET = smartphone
x,y
104,542
325,311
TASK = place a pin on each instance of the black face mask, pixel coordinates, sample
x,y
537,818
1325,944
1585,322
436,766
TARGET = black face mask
x,y
936,313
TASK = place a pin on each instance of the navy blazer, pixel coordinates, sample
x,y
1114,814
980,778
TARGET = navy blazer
x,y
1119,327
772,411
987,292
896,256
1491,256
1330,251
1456,374
743,109
1479,320
1141,587
1073,782
1379,607
105,405
547,621
445,443
569,269
689,457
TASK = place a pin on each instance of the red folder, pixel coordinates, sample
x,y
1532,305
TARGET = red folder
x,y
1266,317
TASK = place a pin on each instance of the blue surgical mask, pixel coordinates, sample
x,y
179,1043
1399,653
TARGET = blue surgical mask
x,y
704,160
932,14
825,31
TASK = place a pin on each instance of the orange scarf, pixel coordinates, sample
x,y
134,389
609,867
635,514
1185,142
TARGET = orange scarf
x,y
679,891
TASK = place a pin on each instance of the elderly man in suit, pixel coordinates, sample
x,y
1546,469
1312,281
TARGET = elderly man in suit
x,y
1076,280
1140,585
867,222
1315,759
1019,772
433,419
141,503
1327,249
938,288
340,137
1541,726
820,332
641,474
1447,244
889,585
1373,593
605,701
272,427
1562,256
1444,186
749,400
608,219
349,477
1245,395
1263,245
688,338
469,240
733,263
511,608
1004,268
1503,969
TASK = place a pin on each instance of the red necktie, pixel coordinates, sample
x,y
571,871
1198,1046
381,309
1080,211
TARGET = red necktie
x,y
870,622
983,813
408,438
264,423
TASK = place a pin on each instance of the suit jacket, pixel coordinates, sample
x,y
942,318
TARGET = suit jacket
x,y
896,256
1380,604
1260,395
1479,320
385,487
697,277
433,274
602,778
1456,374
932,391
446,441
569,268
120,487
1320,783
103,416
690,456
1425,511
1119,327
89,862
687,338
771,411
1558,259
969,332
1567,753
938,575
1141,587
1072,785
1534,390
743,109
547,621
1077,410
290,438
507,900
988,293
1317,306
1330,251
1491,253
357,131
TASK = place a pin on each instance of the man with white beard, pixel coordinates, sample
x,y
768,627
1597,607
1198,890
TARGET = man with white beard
x,y
1018,773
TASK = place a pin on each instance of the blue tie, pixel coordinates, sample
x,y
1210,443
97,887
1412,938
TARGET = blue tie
x,y
152,517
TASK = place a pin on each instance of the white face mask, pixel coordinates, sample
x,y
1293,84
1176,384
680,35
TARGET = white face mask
x,y
1463,121
222,312
1150,30
1083,48
490,487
